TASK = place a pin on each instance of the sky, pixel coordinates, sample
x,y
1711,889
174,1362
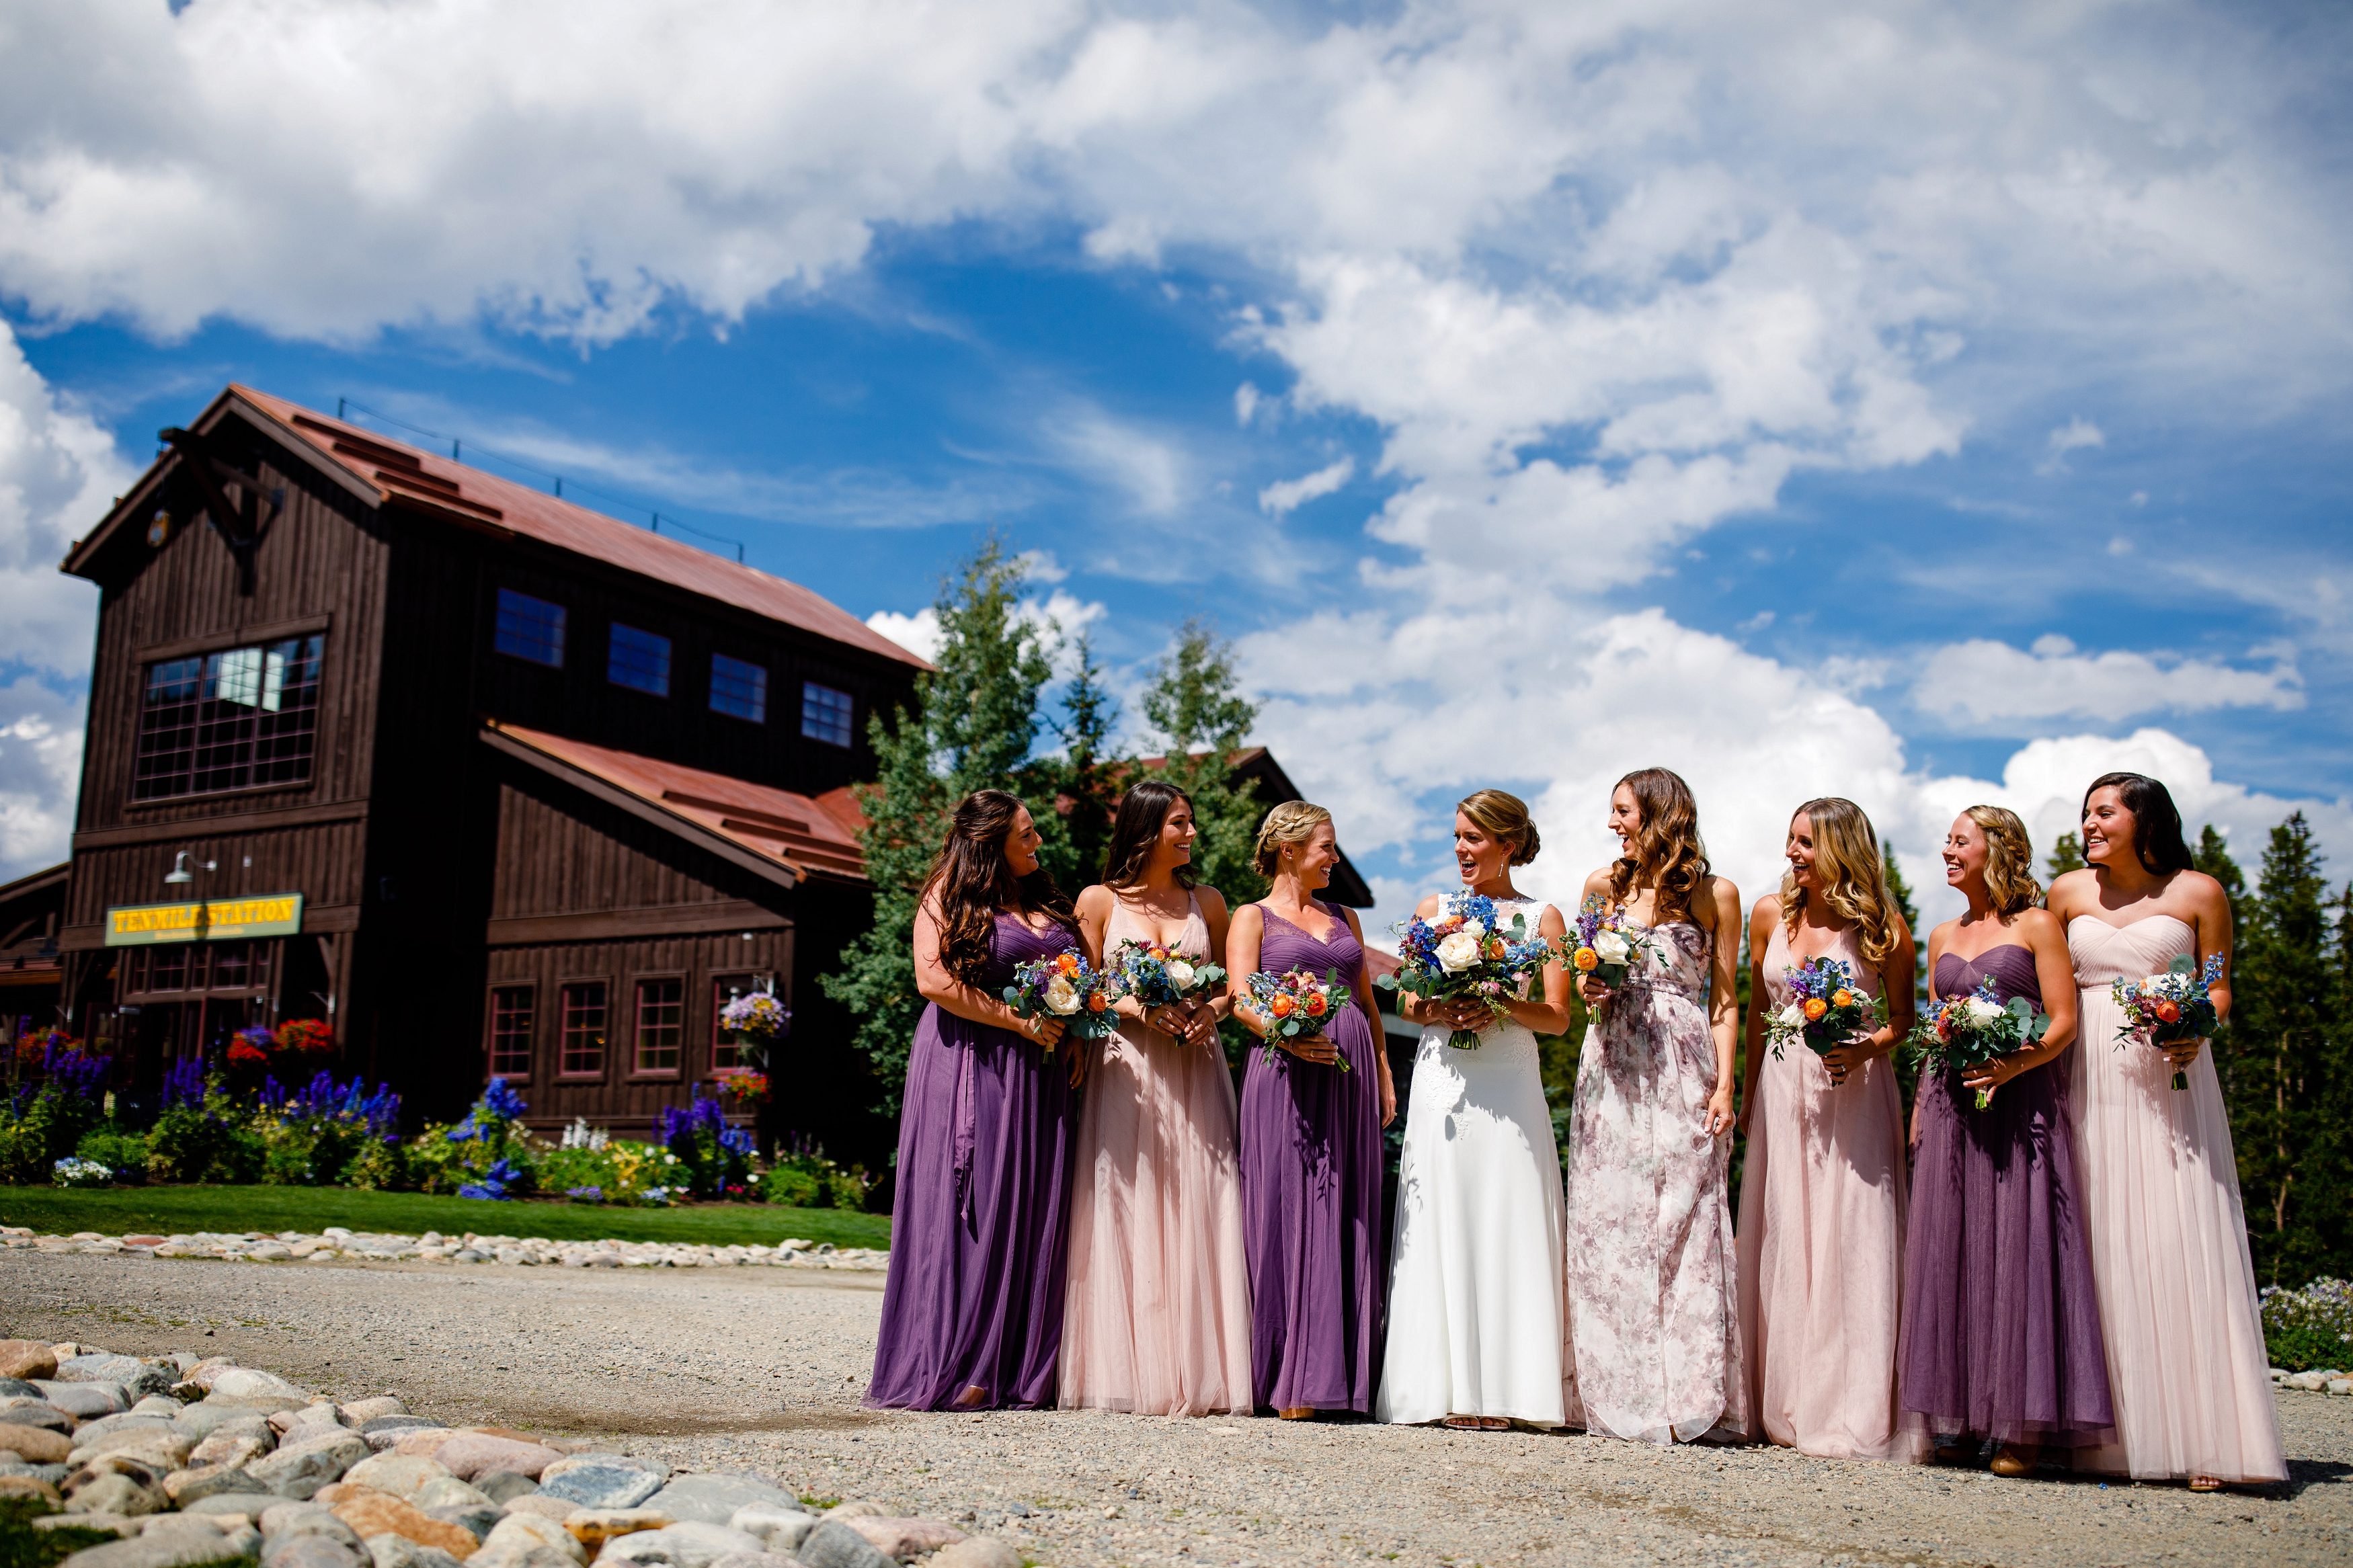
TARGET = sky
x,y
1922,403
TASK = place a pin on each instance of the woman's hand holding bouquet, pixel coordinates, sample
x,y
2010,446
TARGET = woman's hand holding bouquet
x,y
1459,956
1975,1031
1067,990
1298,1008
1172,990
2171,1010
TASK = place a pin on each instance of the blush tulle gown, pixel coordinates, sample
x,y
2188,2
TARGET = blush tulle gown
x,y
2177,1286
1157,1316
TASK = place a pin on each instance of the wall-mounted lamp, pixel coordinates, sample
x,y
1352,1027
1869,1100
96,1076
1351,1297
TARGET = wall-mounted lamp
x,y
180,876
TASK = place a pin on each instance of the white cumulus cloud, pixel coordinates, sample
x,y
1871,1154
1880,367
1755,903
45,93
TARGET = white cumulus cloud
x,y
1985,682
1289,495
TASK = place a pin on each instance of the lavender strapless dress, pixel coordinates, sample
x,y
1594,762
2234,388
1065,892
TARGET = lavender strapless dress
x,y
1311,1168
974,1299
2001,1324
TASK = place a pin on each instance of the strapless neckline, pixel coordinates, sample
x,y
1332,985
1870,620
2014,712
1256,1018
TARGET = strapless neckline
x,y
2143,920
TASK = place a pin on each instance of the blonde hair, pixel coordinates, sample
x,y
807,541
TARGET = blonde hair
x,y
1293,822
1505,818
2009,879
1666,851
1853,873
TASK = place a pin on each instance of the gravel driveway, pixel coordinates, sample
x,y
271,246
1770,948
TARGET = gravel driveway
x,y
761,1369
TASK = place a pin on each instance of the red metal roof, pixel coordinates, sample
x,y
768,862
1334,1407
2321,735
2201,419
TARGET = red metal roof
x,y
793,830
414,478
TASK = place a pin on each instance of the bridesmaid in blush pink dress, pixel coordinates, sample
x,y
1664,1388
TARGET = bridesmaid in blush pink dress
x,y
2177,1286
1823,1195
1156,1319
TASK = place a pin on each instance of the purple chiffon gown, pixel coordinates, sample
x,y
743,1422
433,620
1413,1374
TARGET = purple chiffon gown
x,y
1310,1175
2001,1327
974,1299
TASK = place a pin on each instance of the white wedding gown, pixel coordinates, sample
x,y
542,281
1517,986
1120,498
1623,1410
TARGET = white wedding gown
x,y
1475,1320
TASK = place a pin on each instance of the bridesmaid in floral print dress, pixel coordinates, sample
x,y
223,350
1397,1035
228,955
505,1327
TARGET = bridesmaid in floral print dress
x,y
1654,1323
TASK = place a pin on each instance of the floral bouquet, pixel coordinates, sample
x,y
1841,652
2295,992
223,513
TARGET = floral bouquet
x,y
1968,1031
2174,1005
1460,953
1068,988
1601,943
1159,978
1825,1008
1300,1004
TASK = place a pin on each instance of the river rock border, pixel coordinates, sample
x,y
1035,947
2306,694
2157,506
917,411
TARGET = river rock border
x,y
189,1461
336,1243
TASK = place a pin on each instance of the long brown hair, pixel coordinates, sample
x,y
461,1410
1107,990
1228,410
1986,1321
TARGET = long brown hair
x,y
1852,871
1136,833
1667,854
2157,843
975,882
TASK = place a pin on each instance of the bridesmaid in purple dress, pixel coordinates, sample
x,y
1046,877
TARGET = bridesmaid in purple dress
x,y
1311,1138
972,1314
2001,1324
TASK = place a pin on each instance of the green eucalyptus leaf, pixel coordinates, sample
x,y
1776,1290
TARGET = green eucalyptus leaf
x,y
2183,965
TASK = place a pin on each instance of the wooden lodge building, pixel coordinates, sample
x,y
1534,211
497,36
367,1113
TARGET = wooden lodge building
x,y
493,782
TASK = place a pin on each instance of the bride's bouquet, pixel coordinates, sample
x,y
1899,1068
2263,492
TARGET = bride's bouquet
x,y
1065,987
1602,941
1300,1004
1966,1031
1826,1008
2174,1005
1159,978
1460,953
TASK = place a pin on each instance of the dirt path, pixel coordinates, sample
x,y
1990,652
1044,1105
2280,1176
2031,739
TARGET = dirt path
x,y
762,1370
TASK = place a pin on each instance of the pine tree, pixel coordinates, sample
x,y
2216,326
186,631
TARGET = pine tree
x,y
2212,857
1197,704
2066,856
975,722
2282,992
1083,782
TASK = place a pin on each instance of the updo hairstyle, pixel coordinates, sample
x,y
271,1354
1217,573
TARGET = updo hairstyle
x,y
1502,817
1293,822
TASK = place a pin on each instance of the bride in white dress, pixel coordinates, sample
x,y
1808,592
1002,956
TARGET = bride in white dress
x,y
1475,1335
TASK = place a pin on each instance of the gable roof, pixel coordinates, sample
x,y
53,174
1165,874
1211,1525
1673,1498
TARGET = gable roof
x,y
786,837
389,473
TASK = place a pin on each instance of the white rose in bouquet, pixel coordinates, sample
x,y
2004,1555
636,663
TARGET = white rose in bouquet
x,y
1982,1011
1473,930
1061,996
1793,1015
2155,985
1459,951
1611,948
1180,975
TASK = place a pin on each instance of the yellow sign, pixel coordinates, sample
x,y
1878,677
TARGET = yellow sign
x,y
216,920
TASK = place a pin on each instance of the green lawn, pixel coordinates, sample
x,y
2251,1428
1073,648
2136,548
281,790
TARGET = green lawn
x,y
163,1211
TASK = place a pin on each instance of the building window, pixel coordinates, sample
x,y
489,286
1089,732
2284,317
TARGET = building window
x,y
739,689
530,628
510,1016
824,714
232,720
638,660
727,1045
661,1025
584,1029
170,970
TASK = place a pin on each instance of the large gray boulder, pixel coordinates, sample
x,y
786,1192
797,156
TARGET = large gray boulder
x,y
298,1469
712,1499
311,1552
691,1544
602,1481
833,1544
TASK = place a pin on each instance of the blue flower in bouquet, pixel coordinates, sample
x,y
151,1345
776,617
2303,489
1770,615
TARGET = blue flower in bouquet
x,y
1826,1007
1460,953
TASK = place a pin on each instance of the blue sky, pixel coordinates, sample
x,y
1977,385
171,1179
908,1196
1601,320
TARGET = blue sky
x,y
1934,405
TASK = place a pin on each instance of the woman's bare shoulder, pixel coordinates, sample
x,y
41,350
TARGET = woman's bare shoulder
x,y
1213,902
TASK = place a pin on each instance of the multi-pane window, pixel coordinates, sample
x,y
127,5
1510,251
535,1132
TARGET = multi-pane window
x,y
638,660
232,720
583,1029
510,1016
661,1025
726,1043
530,628
241,966
739,689
826,714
